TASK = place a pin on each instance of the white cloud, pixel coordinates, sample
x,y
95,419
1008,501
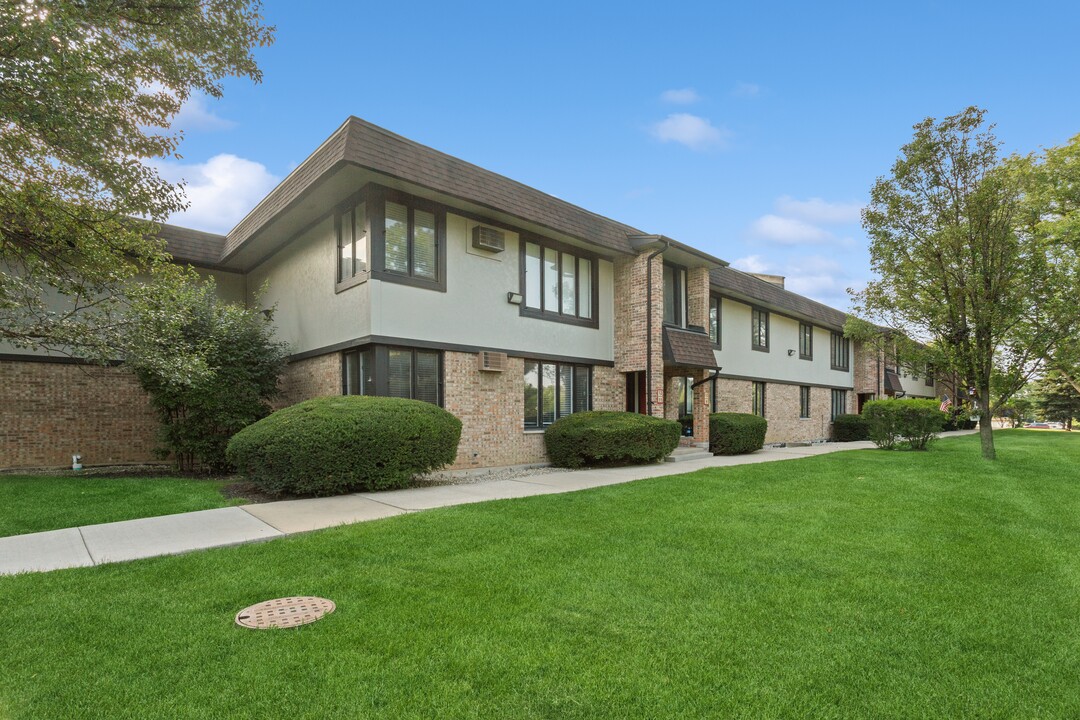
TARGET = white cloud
x,y
683,96
744,89
221,190
787,231
750,264
196,114
696,133
816,210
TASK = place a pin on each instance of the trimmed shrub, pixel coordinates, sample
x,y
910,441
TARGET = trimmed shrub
x,y
736,433
610,438
335,445
850,428
916,422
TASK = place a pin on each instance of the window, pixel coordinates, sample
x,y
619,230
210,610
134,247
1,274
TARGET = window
x,y
806,342
558,284
929,376
555,390
352,230
759,330
393,372
674,295
839,403
759,399
685,391
715,319
839,354
408,239
804,401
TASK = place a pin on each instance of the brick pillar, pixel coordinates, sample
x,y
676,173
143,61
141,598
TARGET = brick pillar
x,y
702,407
631,311
697,286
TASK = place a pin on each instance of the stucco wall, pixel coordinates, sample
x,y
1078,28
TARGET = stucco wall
x,y
474,310
738,359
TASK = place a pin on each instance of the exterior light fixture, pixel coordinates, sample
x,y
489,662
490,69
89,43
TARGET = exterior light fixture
x,y
790,353
513,298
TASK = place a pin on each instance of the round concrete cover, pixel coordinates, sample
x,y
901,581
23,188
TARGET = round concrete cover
x,y
284,612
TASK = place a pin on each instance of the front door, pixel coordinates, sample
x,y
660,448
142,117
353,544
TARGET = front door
x,y
636,398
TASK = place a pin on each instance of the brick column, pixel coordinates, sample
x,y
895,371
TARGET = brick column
x,y
697,286
631,311
702,407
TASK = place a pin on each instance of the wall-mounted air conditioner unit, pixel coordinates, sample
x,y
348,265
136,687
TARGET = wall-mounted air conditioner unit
x,y
492,361
488,238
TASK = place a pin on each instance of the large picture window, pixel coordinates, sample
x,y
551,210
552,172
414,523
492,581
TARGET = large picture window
x,y
393,372
558,283
840,352
759,330
555,390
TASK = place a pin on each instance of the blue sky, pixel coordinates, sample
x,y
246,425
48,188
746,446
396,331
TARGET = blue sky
x,y
752,131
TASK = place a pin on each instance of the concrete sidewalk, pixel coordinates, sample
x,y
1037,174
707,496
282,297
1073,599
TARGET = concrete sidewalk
x,y
171,534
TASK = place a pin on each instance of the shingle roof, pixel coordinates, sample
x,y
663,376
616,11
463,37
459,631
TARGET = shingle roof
x,y
775,296
193,246
369,146
688,348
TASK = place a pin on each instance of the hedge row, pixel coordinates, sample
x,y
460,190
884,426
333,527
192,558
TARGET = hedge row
x,y
736,433
610,438
914,422
335,445
850,428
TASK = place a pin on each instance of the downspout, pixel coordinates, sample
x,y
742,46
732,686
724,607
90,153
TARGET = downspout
x,y
648,326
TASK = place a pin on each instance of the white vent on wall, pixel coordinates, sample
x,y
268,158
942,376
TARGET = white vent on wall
x,y
488,238
492,361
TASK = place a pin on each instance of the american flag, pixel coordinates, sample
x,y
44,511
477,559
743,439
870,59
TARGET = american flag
x,y
945,404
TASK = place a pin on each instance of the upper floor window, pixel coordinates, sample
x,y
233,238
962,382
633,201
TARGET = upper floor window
x,y
408,239
929,376
674,295
352,231
806,341
559,283
555,390
715,319
759,329
840,352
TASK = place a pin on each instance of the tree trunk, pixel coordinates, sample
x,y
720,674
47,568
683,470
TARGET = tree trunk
x,y
986,429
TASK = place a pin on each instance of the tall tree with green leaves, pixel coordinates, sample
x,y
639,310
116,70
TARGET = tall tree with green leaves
x,y
1056,399
953,271
88,89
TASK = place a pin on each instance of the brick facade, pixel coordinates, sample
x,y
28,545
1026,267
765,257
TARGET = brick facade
x,y
52,411
631,315
782,408
309,378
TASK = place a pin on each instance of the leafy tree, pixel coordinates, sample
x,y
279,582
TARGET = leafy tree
x,y
953,270
1057,399
210,367
88,90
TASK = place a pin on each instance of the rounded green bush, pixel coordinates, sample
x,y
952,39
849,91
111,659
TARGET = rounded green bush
x,y
736,433
335,445
610,438
850,428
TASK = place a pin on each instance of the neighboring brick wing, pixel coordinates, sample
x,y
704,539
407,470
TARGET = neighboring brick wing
x,y
54,410
305,379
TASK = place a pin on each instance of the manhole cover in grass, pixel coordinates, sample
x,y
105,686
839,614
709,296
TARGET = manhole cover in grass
x,y
284,612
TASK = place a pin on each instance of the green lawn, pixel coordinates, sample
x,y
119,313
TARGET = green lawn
x,y
864,584
33,503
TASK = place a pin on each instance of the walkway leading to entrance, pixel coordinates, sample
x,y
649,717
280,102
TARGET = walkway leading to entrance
x,y
172,534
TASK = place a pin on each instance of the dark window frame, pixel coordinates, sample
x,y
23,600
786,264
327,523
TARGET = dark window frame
x,y
839,350
757,402
804,402
339,212
836,406
716,327
562,249
376,208
806,332
680,277
538,423
929,375
380,382
756,315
